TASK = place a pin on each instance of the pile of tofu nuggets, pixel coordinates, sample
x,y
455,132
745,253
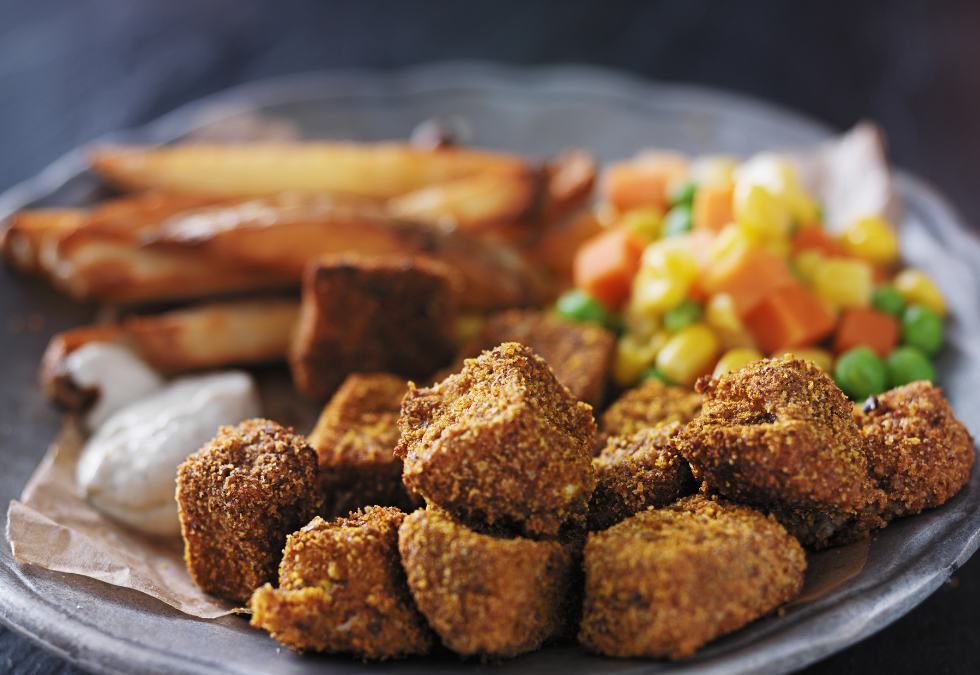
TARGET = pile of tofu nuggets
x,y
490,511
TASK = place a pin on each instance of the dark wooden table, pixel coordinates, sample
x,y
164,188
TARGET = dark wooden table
x,y
71,70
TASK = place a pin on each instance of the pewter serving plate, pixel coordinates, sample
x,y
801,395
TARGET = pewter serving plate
x,y
540,112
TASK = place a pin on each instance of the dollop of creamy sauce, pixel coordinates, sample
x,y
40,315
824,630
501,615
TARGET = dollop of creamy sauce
x,y
120,376
128,468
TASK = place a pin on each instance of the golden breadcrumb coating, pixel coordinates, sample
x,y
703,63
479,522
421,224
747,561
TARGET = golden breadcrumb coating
x,y
342,589
648,405
664,582
239,497
488,595
637,472
502,442
777,433
580,354
355,439
918,453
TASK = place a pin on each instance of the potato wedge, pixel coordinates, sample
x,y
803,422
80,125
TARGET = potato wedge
x,y
21,242
205,336
379,171
471,203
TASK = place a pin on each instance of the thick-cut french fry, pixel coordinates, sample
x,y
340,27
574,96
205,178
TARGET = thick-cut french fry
x,y
205,336
378,171
471,203
21,242
113,267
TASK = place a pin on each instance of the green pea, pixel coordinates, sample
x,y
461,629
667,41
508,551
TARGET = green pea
x,y
677,221
908,364
922,328
886,299
654,373
683,315
579,306
682,194
860,373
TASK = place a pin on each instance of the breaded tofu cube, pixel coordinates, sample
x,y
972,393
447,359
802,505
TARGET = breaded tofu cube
x,y
664,582
342,589
355,439
580,354
648,405
502,442
488,595
638,472
372,314
239,497
918,453
777,433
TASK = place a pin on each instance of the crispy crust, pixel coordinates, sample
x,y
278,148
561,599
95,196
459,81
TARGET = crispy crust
x,y
365,314
665,582
502,442
779,434
637,472
918,453
580,354
487,595
239,497
342,589
648,405
355,439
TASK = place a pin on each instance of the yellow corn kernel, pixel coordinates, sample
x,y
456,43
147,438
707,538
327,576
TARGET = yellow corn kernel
x,y
823,359
666,273
713,169
871,238
752,205
734,359
633,356
644,221
807,262
916,288
720,315
688,354
641,325
777,176
732,239
844,282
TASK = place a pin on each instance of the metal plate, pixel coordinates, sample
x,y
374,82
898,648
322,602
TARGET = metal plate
x,y
538,111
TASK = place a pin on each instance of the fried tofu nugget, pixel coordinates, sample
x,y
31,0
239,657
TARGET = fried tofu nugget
x,y
777,433
638,472
580,354
374,313
355,439
666,581
918,453
342,589
648,405
502,442
239,497
488,595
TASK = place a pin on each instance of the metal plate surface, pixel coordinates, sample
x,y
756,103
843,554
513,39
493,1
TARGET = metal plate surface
x,y
541,112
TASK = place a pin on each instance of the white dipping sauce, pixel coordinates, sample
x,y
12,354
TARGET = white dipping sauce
x,y
120,376
128,468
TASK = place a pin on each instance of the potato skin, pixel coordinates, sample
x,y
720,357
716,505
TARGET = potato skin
x,y
484,594
666,581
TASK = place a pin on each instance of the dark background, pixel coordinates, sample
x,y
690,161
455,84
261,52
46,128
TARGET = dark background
x,y
71,70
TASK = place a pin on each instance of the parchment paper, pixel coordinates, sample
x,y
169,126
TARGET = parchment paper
x,y
53,526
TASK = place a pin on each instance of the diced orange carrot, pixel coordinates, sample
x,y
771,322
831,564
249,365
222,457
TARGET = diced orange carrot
x,y
641,182
864,326
748,275
712,208
813,237
789,317
605,265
